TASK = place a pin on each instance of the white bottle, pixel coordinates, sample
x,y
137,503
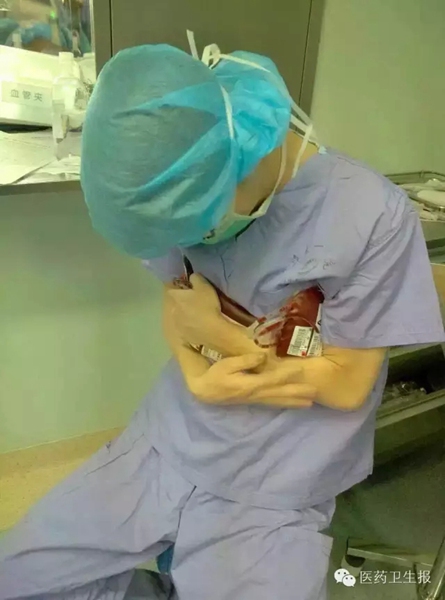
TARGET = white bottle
x,y
68,104
17,39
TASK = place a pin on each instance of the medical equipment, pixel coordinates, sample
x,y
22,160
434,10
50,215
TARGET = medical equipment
x,y
5,7
427,191
26,82
69,102
87,66
293,329
406,422
432,199
408,419
432,217
413,412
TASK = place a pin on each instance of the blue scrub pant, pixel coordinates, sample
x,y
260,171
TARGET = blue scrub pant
x,y
126,506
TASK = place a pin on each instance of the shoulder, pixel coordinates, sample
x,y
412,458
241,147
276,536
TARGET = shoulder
x,y
347,209
335,193
360,209
364,197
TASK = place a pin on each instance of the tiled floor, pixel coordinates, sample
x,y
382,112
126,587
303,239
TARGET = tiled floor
x,y
26,475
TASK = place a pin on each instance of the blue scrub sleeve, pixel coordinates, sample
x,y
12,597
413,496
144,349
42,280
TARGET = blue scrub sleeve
x,y
168,267
390,299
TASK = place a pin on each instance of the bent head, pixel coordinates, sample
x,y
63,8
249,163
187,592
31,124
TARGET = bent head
x,y
167,142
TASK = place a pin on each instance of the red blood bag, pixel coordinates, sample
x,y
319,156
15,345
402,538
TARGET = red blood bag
x,y
294,329
300,334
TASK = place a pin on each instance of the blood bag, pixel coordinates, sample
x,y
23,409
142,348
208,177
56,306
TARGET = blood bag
x,y
293,329
301,332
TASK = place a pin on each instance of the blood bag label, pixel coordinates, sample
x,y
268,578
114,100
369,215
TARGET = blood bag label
x,y
306,341
211,355
300,341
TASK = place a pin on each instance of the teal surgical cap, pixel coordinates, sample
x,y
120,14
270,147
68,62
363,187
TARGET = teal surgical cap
x,y
167,139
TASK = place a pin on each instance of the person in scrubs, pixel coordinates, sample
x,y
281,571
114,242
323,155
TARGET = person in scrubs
x,y
234,466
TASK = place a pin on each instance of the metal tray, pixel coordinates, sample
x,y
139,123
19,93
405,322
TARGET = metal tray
x,y
434,230
415,177
407,423
420,178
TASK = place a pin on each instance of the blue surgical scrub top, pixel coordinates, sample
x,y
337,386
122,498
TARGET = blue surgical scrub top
x,y
349,230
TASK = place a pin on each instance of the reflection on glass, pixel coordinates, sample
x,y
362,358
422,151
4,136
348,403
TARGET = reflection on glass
x,y
47,26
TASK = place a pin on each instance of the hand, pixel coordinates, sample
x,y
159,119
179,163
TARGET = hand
x,y
232,381
196,313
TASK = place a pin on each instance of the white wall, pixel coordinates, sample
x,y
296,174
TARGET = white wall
x,y
80,334
380,86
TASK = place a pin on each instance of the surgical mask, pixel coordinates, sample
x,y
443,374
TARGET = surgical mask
x,y
233,224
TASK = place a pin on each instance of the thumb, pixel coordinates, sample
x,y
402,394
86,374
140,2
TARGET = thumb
x,y
244,363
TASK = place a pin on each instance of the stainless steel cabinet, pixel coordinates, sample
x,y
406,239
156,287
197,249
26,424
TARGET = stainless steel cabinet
x,y
286,30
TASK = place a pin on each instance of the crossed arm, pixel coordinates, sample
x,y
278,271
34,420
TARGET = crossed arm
x,y
341,378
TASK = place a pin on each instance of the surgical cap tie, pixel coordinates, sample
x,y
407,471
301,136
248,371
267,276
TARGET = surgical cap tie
x,y
212,55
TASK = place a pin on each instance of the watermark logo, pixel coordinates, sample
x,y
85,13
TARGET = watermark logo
x,y
344,576
381,577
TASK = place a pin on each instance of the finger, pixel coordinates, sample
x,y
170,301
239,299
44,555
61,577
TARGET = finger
x,y
237,364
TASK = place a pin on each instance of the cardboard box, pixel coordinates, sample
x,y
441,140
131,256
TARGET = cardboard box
x,y
439,278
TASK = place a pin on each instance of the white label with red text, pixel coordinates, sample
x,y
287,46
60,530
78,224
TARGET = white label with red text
x,y
306,341
211,355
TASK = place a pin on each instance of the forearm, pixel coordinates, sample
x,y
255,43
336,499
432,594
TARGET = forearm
x,y
336,387
342,377
343,382
242,382
230,339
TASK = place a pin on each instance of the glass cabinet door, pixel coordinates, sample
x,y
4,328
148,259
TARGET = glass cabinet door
x,y
47,26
